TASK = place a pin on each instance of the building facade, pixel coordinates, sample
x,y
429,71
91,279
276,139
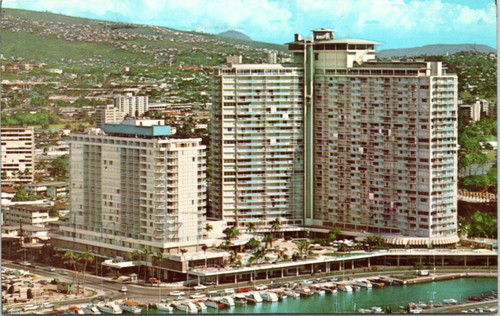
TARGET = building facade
x,y
108,114
133,106
256,144
17,214
18,154
383,135
133,186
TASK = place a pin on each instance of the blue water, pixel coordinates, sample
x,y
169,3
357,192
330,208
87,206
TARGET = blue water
x,y
393,296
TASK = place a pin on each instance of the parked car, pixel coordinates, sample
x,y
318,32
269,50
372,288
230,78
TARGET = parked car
x,y
51,269
124,289
63,272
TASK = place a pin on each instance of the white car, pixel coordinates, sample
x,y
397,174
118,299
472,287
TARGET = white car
x,y
124,289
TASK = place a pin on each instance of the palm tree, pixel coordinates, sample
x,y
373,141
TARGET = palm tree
x,y
251,228
204,248
208,228
145,252
268,240
70,255
275,225
86,257
333,234
231,233
304,248
158,257
137,256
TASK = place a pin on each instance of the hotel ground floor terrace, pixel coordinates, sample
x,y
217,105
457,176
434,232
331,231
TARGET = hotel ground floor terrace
x,y
347,263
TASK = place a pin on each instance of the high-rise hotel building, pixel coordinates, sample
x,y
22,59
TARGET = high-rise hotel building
x,y
134,186
18,154
379,141
256,153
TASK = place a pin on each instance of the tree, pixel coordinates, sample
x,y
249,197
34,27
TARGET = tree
x,y
60,168
231,233
480,224
158,259
252,244
268,240
251,228
304,248
183,251
208,228
70,255
205,248
86,257
275,225
373,241
145,253
137,256
333,234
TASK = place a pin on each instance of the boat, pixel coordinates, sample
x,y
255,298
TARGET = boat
x,y
377,283
475,298
73,309
188,307
304,291
269,296
47,305
376,309
29,308
345,288
417,310
291,293
329,290
14,310
214,303
94,309
197,296
131,307
227,301
164,307
364,283
109,308
254,297
365,311
450,301
201,306
317,290
355,287
240,299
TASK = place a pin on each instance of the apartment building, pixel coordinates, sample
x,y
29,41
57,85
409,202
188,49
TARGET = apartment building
x,y
108,114
256,144
18,154
133,186
35,215
131,105
381,141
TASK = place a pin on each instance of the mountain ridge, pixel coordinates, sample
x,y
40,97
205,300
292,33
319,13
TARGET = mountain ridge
x,y
434,50
235,34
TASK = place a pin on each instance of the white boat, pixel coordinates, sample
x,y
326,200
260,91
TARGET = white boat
x,y
450,301
240,299
345,288
164,307
109,308
214,303
254,297
364,283
29,308
269,296
376,309
197,296
227,300
365,311
131,307
317,290
304,291
417,310
47,305
187,307
201,306
291,293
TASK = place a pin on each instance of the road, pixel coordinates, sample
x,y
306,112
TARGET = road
x,y
456,309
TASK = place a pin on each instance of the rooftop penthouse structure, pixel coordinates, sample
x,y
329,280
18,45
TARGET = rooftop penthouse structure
x,y
132,186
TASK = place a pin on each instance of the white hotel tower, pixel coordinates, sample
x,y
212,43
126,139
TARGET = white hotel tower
x,y
256,153
133,186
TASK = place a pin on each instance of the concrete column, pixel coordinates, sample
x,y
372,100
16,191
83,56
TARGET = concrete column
x,y
369,264
251,276
328,267
267,274
442,261
488,261
235,278
312,268
465,261
352,264
199,280
282,273
420,260
217,281
398,260
297,270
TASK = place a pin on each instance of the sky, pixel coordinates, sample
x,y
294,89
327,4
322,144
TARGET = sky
x,y
396,23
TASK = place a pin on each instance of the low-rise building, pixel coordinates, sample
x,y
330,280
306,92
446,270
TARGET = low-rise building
x,y
27,214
